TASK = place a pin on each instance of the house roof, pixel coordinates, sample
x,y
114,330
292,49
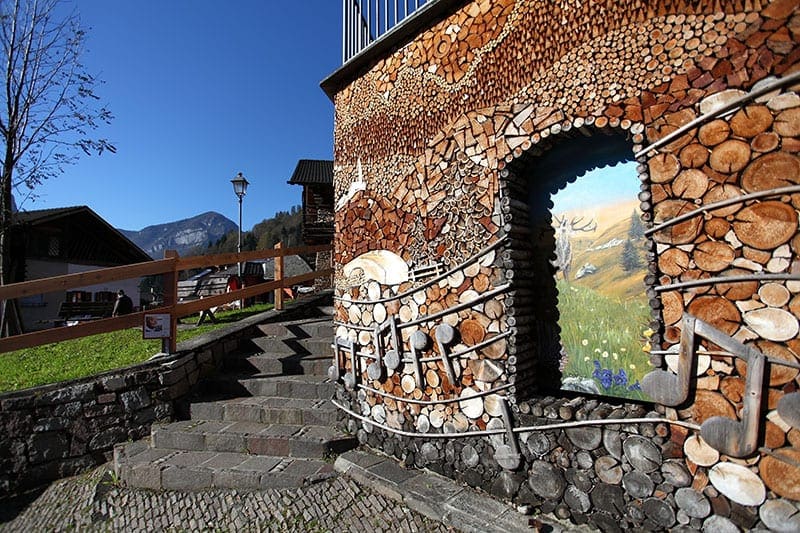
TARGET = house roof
x,y
312,171
82,235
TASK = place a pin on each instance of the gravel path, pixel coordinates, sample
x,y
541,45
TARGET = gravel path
x,y
92,502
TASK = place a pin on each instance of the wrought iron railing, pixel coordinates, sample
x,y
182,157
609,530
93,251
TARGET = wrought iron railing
x,y
365,21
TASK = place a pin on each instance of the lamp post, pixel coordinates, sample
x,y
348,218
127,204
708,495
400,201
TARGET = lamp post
x,y
240,188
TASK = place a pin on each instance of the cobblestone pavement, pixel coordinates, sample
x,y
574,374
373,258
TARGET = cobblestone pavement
x,y
92,502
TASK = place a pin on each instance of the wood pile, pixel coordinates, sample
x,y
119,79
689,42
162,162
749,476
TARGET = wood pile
x,y
441,132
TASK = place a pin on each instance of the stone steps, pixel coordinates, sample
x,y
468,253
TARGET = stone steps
x,y
255,438
267,410
277,364
274,427
142,466
291,386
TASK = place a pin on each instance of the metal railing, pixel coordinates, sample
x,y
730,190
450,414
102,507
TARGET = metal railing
x,y
365,21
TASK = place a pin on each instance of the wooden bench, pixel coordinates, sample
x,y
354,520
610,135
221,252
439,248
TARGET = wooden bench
x,y
85,310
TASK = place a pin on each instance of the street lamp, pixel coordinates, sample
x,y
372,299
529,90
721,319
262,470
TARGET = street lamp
x,y
240,188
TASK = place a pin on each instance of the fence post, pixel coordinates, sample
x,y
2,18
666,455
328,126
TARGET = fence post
x,y
170,299
279,277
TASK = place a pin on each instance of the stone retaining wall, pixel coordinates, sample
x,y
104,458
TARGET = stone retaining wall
x,y
58,430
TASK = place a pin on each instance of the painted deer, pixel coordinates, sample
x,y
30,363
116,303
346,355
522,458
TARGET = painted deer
x,y
564,232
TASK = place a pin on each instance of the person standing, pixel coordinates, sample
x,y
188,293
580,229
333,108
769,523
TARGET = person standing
x,y
123,305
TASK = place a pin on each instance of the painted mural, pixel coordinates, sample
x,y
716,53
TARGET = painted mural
x,y
603,311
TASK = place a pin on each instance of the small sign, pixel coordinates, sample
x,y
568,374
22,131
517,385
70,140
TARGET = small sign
x,y
156,326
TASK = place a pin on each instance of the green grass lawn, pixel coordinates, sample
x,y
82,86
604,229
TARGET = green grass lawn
x,y
88,356
603,338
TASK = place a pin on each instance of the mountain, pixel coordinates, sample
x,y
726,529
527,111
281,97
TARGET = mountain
x,y
182,235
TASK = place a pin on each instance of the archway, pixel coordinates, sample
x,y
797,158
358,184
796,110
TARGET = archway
x,y
586,265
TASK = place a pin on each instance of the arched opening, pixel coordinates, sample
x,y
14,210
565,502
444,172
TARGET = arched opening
x,y
589,309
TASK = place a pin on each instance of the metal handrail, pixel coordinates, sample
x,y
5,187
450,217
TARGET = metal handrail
x,y
365,21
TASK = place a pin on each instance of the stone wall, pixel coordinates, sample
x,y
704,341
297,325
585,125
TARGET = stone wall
x,y
440,264
58,430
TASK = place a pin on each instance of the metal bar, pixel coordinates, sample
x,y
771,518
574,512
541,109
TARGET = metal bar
x,y
427,318
728,279
437,279
777,84
431,402
345,57
771,360
723,203
545,427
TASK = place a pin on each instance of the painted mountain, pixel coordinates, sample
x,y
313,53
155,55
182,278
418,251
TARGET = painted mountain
x,y
182,235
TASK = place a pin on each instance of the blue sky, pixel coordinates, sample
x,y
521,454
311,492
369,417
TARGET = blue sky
x,y
202,90
599,187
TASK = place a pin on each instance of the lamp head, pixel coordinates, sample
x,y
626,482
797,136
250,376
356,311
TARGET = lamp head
x,y
240,184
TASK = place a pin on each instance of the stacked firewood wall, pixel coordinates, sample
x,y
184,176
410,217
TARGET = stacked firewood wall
x,y
430,147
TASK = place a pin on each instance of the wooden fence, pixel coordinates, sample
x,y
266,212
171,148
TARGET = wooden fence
x,y
169,267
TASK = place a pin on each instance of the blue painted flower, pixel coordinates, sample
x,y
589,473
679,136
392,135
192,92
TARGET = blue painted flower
x,y
621,378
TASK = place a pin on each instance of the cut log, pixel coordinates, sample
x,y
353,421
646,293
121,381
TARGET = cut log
x,y
472,332
782,477
694,155
765,142
766,225
471,405
738,483
714,132
732,387
713,256
699,452
493,309
772,324
770,171
708,404
787,123
672,307
642,454
673,262
741,290
780,515
663,168
779,374
718,312
682,232
722,192
730,156
716,227
774,294
788,408
751,121
608,470
495,350
690,184
774,437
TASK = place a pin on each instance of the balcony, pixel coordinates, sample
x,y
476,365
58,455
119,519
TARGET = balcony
x,y
371,28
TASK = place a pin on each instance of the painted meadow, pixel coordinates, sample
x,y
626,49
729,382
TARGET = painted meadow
x,y
602,305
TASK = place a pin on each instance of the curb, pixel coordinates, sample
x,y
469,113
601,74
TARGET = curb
x,y
440,498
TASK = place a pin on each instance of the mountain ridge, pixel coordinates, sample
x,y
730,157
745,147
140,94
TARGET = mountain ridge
x,y
182,235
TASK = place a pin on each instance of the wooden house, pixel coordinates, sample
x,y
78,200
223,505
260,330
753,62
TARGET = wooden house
x,y
54,242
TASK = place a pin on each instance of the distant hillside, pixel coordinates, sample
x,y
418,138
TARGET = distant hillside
x,y
285,227
603,249
184,236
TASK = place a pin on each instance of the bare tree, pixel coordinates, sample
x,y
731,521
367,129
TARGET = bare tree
x,y
48,109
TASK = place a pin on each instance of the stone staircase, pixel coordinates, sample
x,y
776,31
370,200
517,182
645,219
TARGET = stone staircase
x,y
269,423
